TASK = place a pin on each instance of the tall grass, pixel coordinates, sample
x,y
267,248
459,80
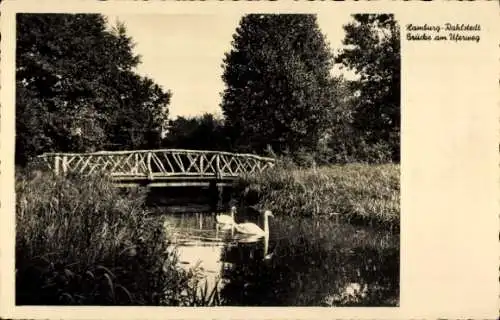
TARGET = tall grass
x,y
84,242
359,193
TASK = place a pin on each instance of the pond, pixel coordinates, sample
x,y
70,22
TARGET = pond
x,y
303,261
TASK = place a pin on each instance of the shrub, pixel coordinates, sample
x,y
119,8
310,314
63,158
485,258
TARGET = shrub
x,y
84,242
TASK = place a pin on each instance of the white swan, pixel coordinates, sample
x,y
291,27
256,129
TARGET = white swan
x,y
226,220
252,228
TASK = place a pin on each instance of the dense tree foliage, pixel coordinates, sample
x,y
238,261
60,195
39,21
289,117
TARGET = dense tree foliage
x,y
76,89
277,77
206,132
372,50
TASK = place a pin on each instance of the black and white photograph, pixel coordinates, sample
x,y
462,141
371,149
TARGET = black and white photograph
x,y
205,160
244,158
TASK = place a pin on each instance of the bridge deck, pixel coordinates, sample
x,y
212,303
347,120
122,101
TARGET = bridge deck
x,y
159,180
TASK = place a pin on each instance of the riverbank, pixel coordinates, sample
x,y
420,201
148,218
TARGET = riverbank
x,y
355,193
85,242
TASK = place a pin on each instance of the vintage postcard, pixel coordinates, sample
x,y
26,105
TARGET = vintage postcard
x,y
242,159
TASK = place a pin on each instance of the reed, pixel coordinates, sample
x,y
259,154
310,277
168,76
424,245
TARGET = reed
x,y
199,294
358,193
81,241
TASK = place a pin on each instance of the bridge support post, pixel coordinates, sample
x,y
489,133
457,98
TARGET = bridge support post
x,y
213,195
216,195
220,196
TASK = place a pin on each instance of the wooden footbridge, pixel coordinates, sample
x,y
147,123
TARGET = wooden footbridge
x,y
160,168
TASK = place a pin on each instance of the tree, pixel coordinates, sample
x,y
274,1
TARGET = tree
x,y
205,132
76,89
373,50
338,145
141,116
277,77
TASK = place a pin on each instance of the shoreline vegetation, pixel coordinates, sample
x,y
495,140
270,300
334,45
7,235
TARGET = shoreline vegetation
x,y
82,241
362,194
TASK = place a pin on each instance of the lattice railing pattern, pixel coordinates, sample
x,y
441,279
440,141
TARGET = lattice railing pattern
x,y
159,163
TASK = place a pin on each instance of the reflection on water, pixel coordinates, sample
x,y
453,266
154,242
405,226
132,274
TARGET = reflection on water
x,y
302,262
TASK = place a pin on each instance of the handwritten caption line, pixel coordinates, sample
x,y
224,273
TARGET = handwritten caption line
x,y
455,32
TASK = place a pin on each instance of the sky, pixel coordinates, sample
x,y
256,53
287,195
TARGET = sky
x,y
184,53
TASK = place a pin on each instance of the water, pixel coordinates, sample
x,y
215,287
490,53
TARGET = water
x,y
303,262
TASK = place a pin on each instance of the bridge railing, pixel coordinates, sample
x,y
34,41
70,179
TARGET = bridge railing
x,y
151,164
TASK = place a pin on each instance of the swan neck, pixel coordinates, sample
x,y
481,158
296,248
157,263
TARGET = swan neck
x,y
266,244
266,224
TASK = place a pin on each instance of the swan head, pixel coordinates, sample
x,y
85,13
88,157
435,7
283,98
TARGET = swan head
x,y
268,213
233,209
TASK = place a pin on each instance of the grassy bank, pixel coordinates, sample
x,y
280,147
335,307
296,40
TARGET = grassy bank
x,y
360,193
84,242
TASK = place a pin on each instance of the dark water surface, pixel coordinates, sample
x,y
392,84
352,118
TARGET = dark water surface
x,y
303,262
